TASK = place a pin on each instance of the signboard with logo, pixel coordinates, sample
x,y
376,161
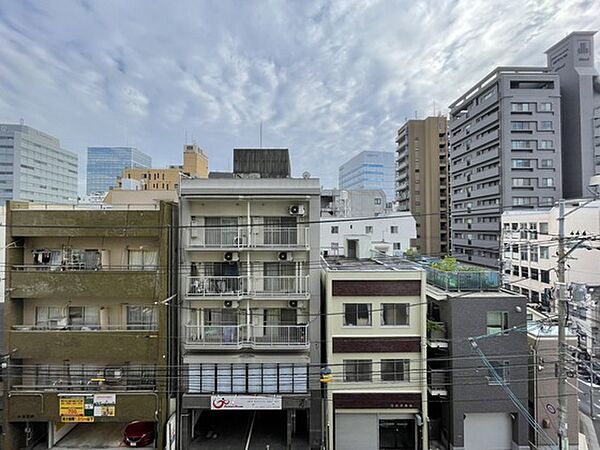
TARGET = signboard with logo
x,y
85,408
222,402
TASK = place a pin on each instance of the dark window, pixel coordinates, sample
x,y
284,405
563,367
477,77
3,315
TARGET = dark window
x,y
357,370
514,84
395,369
357,314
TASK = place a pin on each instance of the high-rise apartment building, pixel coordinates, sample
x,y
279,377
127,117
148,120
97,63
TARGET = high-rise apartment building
x,y
422,181
369,170
34,168
572,59
86,321
505,154
106,164
250,290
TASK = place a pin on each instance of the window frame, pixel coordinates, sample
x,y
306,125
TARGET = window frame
x,y
345,324
498,330
394,305
357,363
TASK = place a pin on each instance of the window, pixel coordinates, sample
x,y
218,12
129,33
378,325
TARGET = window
x,y
49,317
523,201
543,227
369,229
544,253
521,163
357,314
141,318
377,200
521,182
357,370
397,246
394,229
546,125
335,230
519,126
394,314
547,182
142,259
521,107
395,369
499,373
522,145
546,163
546,144
497,322
545,107
545,276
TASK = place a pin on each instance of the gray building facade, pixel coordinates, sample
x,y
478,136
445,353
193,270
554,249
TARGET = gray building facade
x,y
468,408
505,153
572,59
34,167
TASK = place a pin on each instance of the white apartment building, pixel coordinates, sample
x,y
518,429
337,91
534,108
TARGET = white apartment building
x,y
389,234
530,242
249,316
376,346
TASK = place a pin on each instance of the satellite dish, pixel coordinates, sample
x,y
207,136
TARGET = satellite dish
x,y
306,175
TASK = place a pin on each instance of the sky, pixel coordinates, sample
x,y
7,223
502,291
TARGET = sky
x,y
328,79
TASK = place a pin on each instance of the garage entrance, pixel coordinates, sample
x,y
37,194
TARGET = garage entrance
x,y
488,431
106,435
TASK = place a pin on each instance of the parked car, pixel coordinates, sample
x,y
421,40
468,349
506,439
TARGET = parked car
x,y
139,434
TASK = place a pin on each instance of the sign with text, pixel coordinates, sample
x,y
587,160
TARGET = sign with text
x,y
76,419
105,405
221,402
71,406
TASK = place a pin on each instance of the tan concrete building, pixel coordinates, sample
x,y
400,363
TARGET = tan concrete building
x,y
422,181
195,165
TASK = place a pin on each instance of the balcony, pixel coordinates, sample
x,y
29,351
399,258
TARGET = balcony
x,y
437,334
236,337
437,382
247,237
249,287
44,281
464,279
79,343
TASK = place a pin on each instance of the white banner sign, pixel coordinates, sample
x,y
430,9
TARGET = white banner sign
x,y
219,402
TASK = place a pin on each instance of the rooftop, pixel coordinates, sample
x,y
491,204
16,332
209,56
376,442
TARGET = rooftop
x,y
344,263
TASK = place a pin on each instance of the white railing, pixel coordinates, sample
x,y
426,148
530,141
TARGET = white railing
x,y
247,237
202,286
280,285
247,335
57,326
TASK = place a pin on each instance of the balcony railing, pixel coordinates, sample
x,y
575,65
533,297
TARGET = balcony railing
x,y
81,267
238,336
92,387
202,286
280,285
237,286
485,280
437,382
56,325
256,236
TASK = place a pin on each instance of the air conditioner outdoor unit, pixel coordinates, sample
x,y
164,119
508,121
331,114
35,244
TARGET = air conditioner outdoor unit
x,y
231,304
297,210
295,304
284,256
231,256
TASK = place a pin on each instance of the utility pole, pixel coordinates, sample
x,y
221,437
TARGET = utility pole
x,y
592,383
563,437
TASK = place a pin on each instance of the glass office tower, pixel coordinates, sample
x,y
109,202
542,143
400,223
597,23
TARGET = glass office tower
x,y
105,164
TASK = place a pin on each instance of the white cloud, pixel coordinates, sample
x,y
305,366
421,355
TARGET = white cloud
x,y
327,78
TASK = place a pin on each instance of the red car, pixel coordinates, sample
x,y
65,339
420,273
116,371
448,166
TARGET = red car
x,y
139,434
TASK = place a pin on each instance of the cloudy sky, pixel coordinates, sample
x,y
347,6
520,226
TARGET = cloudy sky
x,y
328,79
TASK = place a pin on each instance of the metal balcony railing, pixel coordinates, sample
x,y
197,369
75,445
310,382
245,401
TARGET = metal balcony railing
x,y
247,335
203,286
280,285
437,381
485,280
93,387
437,334
249,237
58,325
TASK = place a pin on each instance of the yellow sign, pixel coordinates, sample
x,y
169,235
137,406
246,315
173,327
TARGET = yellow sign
x,y
76,419
71,406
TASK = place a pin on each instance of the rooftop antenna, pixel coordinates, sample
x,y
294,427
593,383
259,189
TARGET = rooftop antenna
x,y
416,114
22,121
186,141
260,135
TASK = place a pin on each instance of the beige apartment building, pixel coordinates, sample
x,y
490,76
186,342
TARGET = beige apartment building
x,y
195,165
422,181
376,347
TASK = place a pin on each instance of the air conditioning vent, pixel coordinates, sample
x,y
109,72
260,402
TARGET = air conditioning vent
x,y
284,256
297,210
295,304
231,256
230,304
